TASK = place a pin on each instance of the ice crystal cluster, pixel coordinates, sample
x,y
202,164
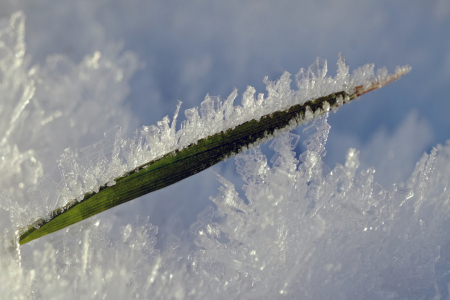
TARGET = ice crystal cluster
x,y
98,165
44,109
303,231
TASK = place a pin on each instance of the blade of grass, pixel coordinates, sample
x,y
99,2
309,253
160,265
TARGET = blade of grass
x,y
178,165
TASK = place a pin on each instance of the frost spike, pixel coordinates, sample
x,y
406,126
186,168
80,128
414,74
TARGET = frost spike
x,y
180,164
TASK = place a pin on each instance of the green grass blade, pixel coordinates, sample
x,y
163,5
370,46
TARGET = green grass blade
x,y
178,165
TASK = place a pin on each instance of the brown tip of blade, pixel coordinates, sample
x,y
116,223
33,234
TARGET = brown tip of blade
x,y
399,72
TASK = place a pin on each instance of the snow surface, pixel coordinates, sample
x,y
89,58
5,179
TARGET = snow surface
x,y
303,231
98,165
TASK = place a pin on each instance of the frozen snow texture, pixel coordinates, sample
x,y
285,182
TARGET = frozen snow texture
x,y
77,174
303,231
44,109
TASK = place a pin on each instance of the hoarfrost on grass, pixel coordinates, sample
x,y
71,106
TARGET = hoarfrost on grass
x,y
77,174
304,232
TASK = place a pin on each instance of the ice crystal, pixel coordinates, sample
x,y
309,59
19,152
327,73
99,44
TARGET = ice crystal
x,y
96,166
45,109
303,230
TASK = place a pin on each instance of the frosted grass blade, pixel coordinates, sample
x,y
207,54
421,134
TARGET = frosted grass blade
x,y
180,164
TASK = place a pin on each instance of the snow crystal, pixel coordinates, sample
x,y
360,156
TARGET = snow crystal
x,y
115,156
310,230
49,105
304,230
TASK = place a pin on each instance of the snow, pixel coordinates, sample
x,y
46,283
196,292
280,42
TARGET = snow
x,y
303,231
114,156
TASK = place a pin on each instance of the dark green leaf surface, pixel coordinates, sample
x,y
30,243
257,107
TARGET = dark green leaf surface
x,y
178,165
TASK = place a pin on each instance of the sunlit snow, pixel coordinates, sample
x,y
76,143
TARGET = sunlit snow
x,y
304,230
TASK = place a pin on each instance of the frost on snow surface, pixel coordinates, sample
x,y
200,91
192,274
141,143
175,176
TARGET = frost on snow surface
x,y
303,232
98,165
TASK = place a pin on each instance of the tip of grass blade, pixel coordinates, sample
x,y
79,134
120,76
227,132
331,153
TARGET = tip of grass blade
x,y
399,72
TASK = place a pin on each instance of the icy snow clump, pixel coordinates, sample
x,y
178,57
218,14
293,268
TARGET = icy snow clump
x,y
303,231
77,174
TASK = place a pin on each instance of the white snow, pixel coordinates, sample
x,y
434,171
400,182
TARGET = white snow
x,y
303,231
76,174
